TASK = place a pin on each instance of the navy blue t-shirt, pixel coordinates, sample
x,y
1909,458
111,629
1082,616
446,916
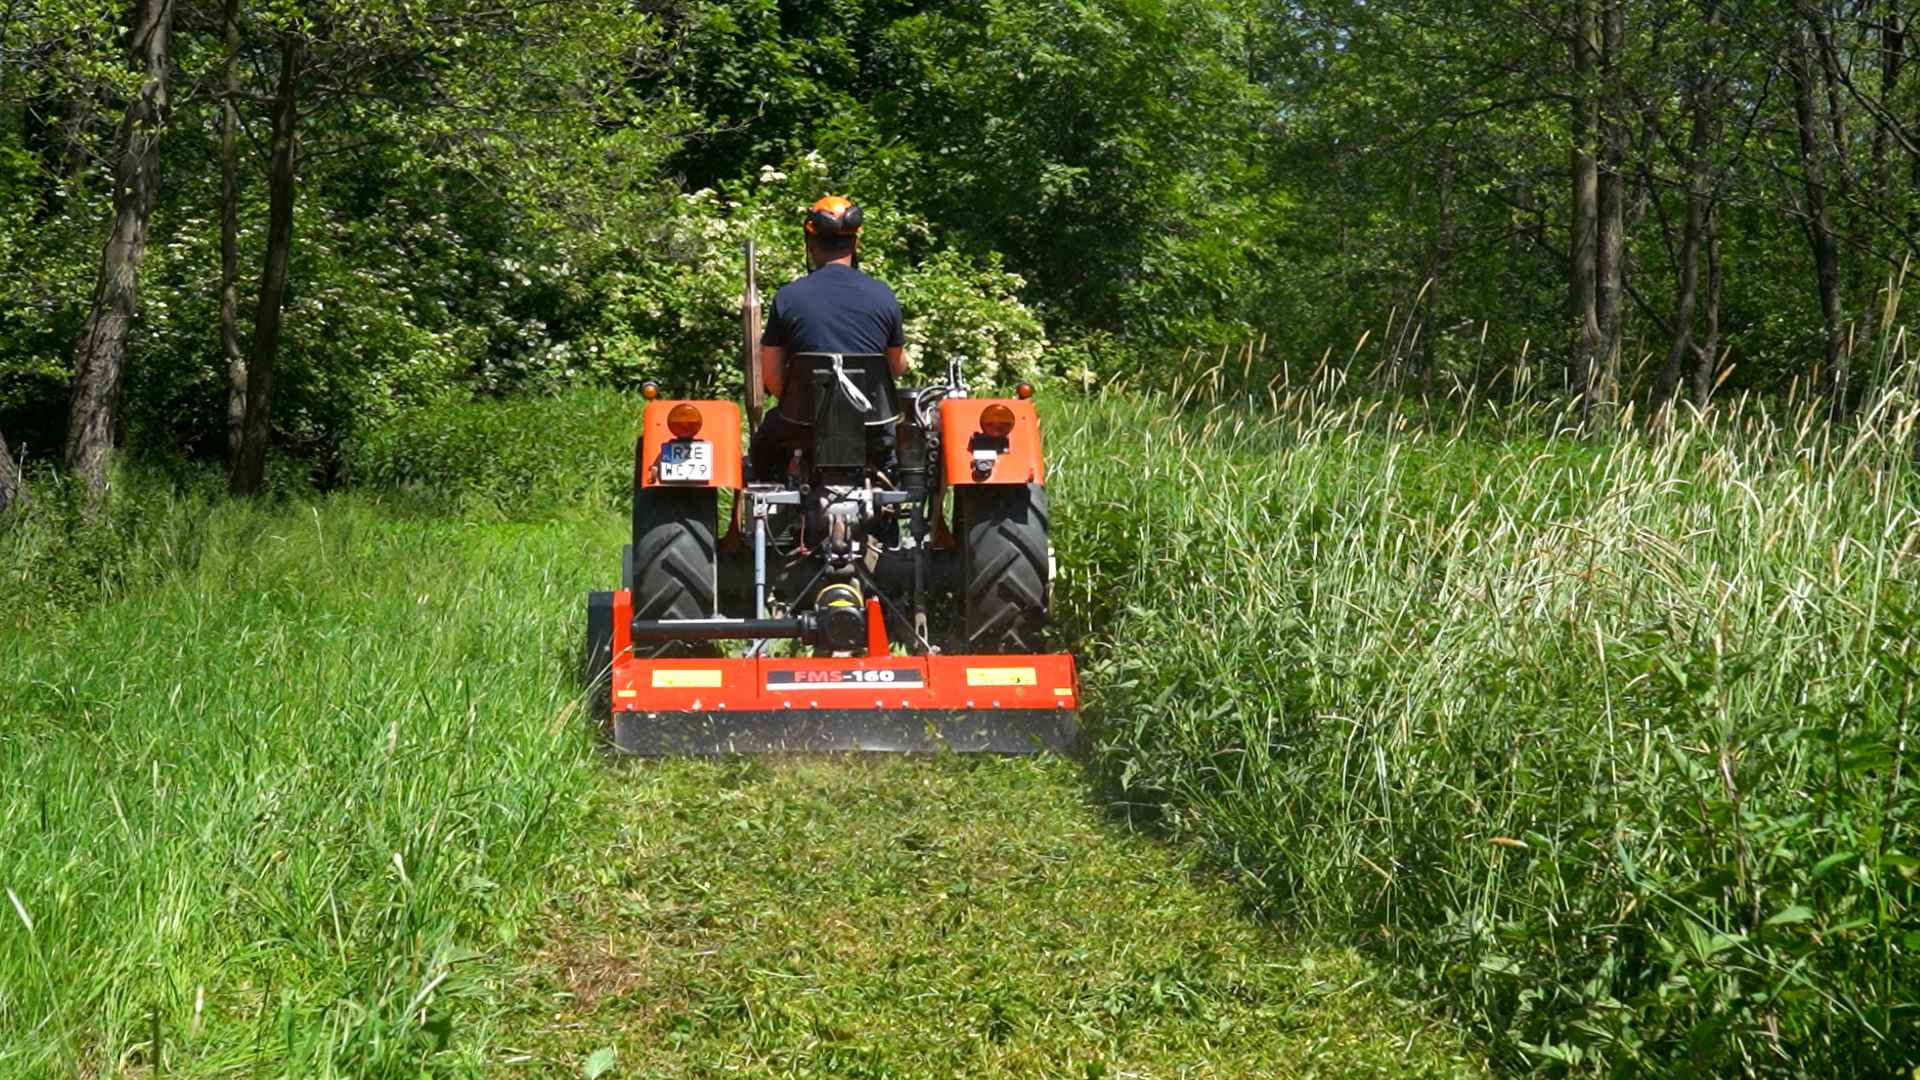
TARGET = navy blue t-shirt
x,y
835,309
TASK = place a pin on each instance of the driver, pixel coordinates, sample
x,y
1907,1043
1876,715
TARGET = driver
x,y
834,309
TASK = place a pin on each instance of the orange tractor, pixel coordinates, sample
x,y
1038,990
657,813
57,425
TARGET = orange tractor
x,y
888,592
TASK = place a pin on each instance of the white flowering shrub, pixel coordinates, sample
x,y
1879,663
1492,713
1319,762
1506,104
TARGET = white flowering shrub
x,y
389,308
672,313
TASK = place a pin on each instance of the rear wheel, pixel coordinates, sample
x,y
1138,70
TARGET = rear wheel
x,y
674,561
1004,567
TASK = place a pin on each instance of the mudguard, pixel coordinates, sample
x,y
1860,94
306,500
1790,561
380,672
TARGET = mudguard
x,y
719,428
1016,459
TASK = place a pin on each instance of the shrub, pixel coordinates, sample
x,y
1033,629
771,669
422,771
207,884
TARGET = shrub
x,y
670,310
57,554
517,456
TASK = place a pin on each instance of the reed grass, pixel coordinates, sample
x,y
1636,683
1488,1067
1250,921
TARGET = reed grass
x,y
1601,738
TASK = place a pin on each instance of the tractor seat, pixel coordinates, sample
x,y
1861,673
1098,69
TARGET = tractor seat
x,y
862,382
842,409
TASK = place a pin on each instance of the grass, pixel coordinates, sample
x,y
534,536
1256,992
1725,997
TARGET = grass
x,y
309,795
1598,742
953,917
280,806
1601,741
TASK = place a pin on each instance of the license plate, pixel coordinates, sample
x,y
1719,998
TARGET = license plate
x,y
686,460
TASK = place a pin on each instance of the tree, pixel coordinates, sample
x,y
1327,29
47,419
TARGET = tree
x,y
249,467
514,104
100,361
230,232
9,478
1816,173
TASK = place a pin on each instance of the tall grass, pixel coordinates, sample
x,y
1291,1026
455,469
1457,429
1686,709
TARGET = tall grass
x,y
1605,740
506,457
285,805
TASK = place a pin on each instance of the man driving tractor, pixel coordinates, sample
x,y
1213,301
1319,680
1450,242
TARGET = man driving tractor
x,y
891,540
835,310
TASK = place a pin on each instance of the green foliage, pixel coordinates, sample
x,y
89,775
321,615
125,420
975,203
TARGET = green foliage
x,y
518,457
673,313
1101,147
60,555
1603,743
283,807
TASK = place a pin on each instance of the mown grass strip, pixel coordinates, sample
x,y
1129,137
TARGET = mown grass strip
x,y
915,918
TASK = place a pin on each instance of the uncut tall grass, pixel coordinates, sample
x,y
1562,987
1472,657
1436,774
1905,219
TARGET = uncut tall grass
x,y
1605,739
284,805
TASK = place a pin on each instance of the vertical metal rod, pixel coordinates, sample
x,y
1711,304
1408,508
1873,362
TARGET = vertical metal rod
x,y
759,646
917,528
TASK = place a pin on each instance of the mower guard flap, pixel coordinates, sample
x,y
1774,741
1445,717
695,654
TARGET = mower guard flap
x,y
756,705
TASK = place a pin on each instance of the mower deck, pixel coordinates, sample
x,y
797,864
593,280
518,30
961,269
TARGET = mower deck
x,y
878,702
756,705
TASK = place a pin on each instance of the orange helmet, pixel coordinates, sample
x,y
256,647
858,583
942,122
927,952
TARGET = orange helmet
x,y
834,217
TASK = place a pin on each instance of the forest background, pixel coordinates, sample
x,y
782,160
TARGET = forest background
x,y
370,203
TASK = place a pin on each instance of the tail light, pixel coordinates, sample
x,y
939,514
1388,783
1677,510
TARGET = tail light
x,y
684,421
996,421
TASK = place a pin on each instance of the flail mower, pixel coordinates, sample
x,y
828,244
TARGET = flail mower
x,y
888,592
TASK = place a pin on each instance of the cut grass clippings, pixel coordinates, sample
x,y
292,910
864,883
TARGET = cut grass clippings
x,y
927,917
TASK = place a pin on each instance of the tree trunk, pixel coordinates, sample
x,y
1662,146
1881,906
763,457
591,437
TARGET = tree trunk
x,y
1699,207
1819,222
1686,298
9,478
1706,353
1610,228
1439,253
100,359
1583,360
1893,57
1880,195
250,466
230,240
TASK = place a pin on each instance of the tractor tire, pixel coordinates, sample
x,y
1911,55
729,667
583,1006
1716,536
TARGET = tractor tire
x,y
1005,560
674,562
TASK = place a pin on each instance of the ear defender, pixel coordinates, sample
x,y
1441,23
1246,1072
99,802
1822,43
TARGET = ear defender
x,y
833,216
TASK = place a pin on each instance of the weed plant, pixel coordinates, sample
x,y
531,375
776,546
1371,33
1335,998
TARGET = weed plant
x,y
1604,739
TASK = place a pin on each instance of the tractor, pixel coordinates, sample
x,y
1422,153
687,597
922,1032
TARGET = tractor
x,y
886,591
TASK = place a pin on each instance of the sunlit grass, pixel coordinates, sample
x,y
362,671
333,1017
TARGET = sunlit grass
x,y
1600,741
269,808
1603,738
947,917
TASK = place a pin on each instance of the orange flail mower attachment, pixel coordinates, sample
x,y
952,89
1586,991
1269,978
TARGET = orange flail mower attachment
x,y
877,702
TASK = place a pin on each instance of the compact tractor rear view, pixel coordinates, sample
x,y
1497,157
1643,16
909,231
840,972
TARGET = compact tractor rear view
x,y
888,589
